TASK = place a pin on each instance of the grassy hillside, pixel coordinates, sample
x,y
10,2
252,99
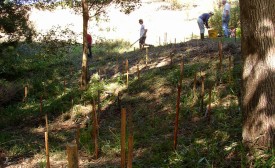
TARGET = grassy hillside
x,y
206,138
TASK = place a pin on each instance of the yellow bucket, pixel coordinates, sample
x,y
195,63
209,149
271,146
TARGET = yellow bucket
x,y
212,33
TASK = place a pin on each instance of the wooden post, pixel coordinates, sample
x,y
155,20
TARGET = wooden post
x,y
118,101
177,118
46,123
171,58
130,140
220,55
138,72
77,136
195,84
229,70
181,72
123,134
47,150
159,42
98,106
178,106
202,93
95,130
72,155
209,105
146,56
127,72
26,93
64,86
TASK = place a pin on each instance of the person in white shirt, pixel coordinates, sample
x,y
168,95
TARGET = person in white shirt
x,y
225,18
143,32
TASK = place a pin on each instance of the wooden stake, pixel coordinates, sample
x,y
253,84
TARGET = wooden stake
x,y
98,105
138,72
177,118
77,136
72,155
229,70
127,72
123,134
195,85
118,101
47,150
64,86
178,106
26,93
209,105
181,72
202,93
220,55
95,130
130,140
46,122
146,59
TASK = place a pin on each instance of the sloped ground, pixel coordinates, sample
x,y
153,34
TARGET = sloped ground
x,y
202,142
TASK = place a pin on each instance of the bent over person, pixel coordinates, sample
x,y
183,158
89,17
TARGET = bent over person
x,y
143,32
203,20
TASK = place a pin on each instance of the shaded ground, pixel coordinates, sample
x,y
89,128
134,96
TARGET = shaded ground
x,y
152,99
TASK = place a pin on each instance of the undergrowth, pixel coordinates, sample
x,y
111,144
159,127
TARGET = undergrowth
x,y
206,138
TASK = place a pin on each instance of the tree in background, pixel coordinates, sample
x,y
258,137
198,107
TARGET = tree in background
x,y
14,22
258,78
95,9
13,19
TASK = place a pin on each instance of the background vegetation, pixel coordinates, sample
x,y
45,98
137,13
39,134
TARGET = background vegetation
x,y
51,69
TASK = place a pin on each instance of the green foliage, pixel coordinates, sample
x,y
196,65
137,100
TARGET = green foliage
x,y
215,21
238,32
14,21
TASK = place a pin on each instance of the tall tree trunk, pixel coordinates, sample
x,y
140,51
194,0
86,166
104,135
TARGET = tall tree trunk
x,y
84,71
258,85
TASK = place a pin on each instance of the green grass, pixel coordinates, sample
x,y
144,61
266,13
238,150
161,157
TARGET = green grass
x,y
152,99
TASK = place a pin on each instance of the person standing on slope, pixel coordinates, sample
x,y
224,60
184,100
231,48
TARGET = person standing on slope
x,y
225,18
143,32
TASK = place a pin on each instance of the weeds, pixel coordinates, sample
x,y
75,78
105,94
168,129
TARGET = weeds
x,y
201,143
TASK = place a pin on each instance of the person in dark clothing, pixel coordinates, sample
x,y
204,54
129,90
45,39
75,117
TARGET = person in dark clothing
x,y
203,20
89,40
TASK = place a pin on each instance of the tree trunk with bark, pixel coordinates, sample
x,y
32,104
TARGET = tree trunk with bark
x,y
84,70
258,77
